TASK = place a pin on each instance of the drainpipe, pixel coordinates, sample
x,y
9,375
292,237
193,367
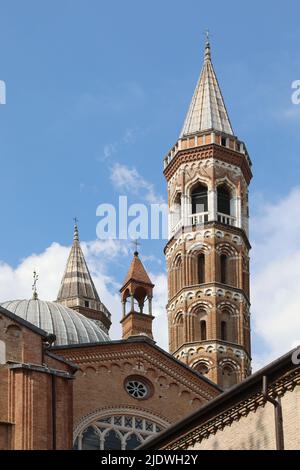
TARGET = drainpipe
x,y
278,415
53,383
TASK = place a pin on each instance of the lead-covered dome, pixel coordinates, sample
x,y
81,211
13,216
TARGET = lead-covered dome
x,y
69,326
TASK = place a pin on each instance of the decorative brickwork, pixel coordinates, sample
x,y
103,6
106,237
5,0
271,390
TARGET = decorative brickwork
x,y
207,254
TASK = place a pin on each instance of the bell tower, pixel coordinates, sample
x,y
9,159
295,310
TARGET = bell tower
x,y
136,296
208,172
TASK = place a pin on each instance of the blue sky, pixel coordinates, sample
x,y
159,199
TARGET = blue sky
x,y
91,84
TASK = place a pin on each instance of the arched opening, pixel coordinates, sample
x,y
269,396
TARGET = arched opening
x,y
199,199
223,269
199,331
178,274
201,268
140,295
246,276
228,377
112,441
179,331
176,215
202,368
224,336
90,439
135,299
132,442
224,198
116,432
203,332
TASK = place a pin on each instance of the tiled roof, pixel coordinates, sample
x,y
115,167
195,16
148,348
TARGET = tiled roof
x,y
137,272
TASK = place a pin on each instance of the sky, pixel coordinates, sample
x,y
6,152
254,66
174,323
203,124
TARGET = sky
x,y
96,95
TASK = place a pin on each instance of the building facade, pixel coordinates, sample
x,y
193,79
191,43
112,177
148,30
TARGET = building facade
x,y
208,172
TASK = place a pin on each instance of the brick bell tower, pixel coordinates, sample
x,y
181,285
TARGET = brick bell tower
x,y
136,296
208,172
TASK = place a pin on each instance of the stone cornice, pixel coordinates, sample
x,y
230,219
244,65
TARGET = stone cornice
x,y
209,151
211,286
186,231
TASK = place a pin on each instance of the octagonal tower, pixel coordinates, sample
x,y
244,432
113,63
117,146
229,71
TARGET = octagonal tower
x,y
208,172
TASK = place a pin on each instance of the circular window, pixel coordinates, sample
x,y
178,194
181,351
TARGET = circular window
x,y
136,388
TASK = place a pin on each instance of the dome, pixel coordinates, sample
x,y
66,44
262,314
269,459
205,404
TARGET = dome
x,y
69,326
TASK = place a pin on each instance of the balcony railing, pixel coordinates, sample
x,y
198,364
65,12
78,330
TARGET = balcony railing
x,y
226,219
200,218
177,227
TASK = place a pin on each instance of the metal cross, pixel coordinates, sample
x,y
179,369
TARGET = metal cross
x,y
75,220
34,285
136,243
207,35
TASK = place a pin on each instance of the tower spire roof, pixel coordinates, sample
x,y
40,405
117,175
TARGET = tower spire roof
x,y
77,281
137,272
207,110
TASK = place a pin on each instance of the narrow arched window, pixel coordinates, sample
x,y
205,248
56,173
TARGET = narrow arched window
x,y
223,331
201,269
203,332
223,269
223,200
199,199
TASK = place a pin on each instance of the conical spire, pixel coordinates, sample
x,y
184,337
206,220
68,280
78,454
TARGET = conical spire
x,y
137,272
207,110
77,289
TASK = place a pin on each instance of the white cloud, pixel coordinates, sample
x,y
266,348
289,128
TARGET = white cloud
x,y
17,283
109,150
129,179
275,276
160,324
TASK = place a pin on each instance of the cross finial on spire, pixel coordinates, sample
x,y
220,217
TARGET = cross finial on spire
x,y
76,235
136,244
207,45
34,285
207,34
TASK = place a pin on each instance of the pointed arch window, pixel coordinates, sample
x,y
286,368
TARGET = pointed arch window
x,y
118,432
199,199
224,198
201,268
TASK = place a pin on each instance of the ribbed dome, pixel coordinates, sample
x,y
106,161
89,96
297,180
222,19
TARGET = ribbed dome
x,y
69,327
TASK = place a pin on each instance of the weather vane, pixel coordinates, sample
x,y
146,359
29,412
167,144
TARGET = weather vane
x,y
136,244
34,285
75,220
